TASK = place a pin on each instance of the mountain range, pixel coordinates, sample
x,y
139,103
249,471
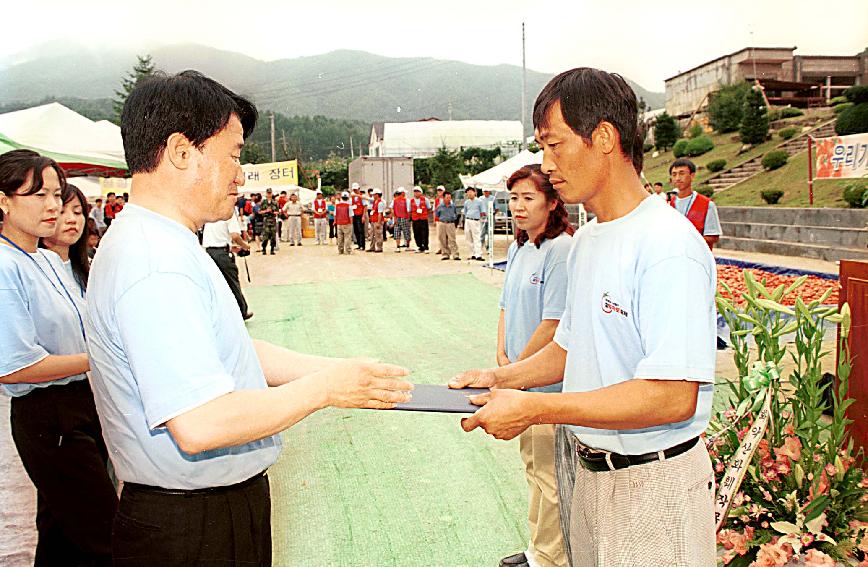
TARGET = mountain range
x,y
339,84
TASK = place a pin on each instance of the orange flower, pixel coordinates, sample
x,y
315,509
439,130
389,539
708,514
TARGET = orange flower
x,y
792,448
772,555
816,558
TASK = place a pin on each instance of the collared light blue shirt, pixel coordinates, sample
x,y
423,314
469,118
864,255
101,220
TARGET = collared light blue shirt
x,y
484,202
534,289
473,208
712,221
621,321
38,318
447,213
165,336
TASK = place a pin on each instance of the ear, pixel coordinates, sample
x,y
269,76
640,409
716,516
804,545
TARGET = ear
x,y
605,137
179,150
4,203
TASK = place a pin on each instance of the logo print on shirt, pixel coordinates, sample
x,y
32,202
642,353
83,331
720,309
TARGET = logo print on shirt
x,y
610,306
535,279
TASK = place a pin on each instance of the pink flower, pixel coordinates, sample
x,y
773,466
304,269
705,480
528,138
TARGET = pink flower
x,y
762,449
789,430
783,468
791,448
817,458
816,558
807,539
772,555
766,494
718,467
863,545
831,470
729,414
770,475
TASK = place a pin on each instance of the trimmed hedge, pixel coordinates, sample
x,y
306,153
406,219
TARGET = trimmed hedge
x,y
785,112
842,107
853,120
775,159
787,133
706,190
680,148
716,165
772,196
698,146
857,94
695,131
855,195
837,100
646,147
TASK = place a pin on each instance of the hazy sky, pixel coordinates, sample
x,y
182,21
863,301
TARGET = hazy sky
x,y
646,41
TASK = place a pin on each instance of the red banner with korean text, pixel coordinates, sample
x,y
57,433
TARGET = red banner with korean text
x,y
842,157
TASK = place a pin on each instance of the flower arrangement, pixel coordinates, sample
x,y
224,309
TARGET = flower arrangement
x,y
803,497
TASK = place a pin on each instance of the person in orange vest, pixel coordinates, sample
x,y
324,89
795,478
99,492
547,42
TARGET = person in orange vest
x,y
375,215
358,216
344,224
320,222
699,209
419,207
402,219
437,200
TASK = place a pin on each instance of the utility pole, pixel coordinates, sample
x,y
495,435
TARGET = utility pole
x,y
352,149
273,149
523,93
450,110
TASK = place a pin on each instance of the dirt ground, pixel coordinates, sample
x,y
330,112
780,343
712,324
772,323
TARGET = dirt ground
x,y
307,264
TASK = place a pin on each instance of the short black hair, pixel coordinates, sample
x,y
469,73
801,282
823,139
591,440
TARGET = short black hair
x,y
110,194
16,165
683,162
188,103
470,189
658,184
589,96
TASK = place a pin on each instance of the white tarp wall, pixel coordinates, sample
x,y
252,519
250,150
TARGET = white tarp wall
x,y
495,178
423,139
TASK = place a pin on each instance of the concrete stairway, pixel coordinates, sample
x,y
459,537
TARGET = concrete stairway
x,y
827,234
728,178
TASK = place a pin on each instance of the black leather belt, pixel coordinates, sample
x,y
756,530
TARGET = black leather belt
x,y
217,247
447,221
599,461
196,492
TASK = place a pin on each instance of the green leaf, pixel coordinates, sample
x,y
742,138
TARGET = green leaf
x,y
778,293
799,282
786,528
775,306
816,507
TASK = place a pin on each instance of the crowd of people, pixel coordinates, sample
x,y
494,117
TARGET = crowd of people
x,y
143,353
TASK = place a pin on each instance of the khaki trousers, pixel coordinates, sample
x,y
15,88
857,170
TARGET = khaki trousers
x,y
321,230
345,238
448,243
377,236
537,445
471,235
294,229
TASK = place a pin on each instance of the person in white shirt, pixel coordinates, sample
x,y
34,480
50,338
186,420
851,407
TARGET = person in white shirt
x,y
635,479
222,240
293,211
97,213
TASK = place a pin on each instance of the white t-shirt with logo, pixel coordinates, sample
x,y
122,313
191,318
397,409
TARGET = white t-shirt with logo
x,y
640,304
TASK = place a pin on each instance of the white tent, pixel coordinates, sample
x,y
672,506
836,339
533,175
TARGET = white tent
x,y
495,178
95,187
68,137
423,138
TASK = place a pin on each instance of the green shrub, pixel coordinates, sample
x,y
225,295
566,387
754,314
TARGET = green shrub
x,y
695,131
706,190
842,107
856,195
775,159
646,147
787,133
716,165
853,120
755,118
837,100
666,132
699,146
725,107
857,94
680,148
785,112
772,196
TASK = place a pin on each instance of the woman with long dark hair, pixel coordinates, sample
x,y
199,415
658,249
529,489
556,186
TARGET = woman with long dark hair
x,y
70,238
43,364
532,302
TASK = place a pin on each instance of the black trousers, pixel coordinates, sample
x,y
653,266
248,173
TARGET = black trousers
x,y
359,231
225,261
332,233
58,436
219,526
420,233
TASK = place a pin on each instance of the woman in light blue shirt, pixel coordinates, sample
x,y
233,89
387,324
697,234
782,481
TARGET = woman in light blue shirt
x,y
70,237
54,422
531,304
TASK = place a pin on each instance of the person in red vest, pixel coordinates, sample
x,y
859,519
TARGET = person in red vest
x,y
419,207
344,224
358,204
699,209
320,222
378,208
281,217
437,200
109,209
402,219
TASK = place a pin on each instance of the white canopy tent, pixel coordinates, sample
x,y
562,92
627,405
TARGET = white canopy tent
x,y
495,178
79,144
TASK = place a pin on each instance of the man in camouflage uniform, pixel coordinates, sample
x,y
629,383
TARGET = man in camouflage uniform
x,y
268,210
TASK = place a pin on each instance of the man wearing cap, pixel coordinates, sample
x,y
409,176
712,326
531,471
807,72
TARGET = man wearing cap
x,y
268,211
402,219
369,201
344,224
437,200
472,216
293,212
358,216
378,208
448,215
320,222
419,208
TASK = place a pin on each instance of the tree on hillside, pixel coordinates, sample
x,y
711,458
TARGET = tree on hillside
x,y
144,67
445,167
666,132
477,160
726,106
755,118
253,153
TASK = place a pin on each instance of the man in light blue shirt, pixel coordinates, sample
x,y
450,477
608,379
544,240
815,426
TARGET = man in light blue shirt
x,y
473,208
191,407
638,371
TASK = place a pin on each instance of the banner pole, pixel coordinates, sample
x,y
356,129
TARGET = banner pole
x,y
810,171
